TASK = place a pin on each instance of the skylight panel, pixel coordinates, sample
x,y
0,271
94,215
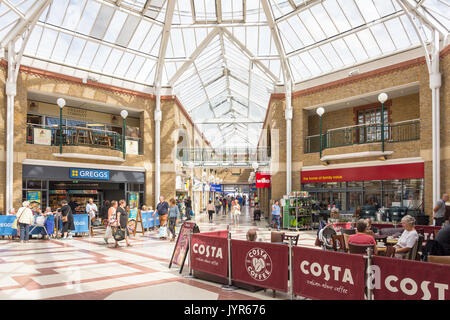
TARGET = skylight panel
x,y
324,20
113,60
57,10
409,29
47,43
289,39
73,14
332,56
102,22
383,38
222,108
369,43
33,41
184,11
205,10
24,5
312,25
7,21
351,12
157,44
384,7
355,47
76,47
339,19
61,47
90,50
139,36
318,56
299,30
88,17
151,39
171,68
253,10
368,10
177,43
264,41
115,26
101,57
128,30
145,70
343,51
281,7
397,33
232,10
200,35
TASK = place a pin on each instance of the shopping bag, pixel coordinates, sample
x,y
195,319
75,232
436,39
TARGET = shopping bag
x,y
118,234
14,225
163,232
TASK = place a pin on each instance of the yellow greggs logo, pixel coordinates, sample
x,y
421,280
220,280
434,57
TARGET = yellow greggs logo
x,y
75,173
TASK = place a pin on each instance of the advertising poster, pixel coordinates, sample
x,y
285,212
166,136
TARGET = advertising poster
x,y
260,264
327,275
133,200
399,279
34,197
181,247
42,136
132,147
210,254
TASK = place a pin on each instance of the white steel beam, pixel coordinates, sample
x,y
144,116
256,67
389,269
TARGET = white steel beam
x,y
226,120
194,56
425,17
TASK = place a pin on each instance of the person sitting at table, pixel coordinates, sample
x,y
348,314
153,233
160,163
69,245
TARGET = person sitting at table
x,y
408,238
252,235
361,237
443,239
370,227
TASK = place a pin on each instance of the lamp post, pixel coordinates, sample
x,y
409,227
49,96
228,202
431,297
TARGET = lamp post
x,y
124,114
61,103
320,111
382,97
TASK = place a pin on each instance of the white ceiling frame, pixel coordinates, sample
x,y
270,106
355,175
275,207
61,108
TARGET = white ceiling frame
x,y
13,8
426,18
204,89
221,25
305,6
250,55
287,72
226,120
164,41
222,47
194,56
128,10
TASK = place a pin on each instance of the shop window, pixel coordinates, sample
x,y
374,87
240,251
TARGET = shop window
x,y
372,194
54,122
368,118
354,184
34,119
354,200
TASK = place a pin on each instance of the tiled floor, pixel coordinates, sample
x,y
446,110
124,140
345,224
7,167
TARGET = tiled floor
x,y
87,268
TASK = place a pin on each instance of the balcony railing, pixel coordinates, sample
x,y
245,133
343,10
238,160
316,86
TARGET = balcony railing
x,y
223,155
78,136
365,133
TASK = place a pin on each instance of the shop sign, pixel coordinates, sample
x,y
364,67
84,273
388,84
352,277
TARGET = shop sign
x,y
260,264
262,180
216,188
42,136
93,174
186,185
399,279
327,275
210,254
182,246
385,172
132,147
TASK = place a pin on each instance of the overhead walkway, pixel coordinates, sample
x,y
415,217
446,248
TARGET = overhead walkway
x,y
224,157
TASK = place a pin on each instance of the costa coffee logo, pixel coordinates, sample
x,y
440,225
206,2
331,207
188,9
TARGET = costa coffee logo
x,y
208,251
258,264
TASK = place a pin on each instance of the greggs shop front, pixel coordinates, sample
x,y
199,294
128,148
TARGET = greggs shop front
x,y
395,187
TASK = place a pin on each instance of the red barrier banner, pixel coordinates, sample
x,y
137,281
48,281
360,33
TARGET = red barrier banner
x,y
327,275
398,279
209,254
260,264
220,234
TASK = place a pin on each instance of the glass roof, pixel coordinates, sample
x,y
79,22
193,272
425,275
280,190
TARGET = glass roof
x,y
221,57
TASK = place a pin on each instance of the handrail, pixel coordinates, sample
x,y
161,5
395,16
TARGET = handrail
x,y
370,124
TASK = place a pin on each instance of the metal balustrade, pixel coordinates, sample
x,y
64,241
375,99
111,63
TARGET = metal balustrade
x,y
242,157
365,133
77,136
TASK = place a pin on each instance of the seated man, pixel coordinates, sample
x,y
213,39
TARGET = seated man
x,y
360,237
443,239
370,227
252,235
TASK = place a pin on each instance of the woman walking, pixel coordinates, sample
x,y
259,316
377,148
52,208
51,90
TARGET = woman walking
x,y
174,214
276,215
24,219
210,208
67,220
122,217
112,220
235,213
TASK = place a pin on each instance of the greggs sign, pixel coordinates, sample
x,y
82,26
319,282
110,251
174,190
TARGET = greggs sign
x,y
262,180
385,172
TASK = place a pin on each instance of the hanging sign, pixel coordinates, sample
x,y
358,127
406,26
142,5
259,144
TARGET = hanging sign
x,y
94,174
215,188
262,180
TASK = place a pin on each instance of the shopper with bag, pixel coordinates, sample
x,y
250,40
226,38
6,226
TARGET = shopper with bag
x,y
121,230
163,210
112,220
24,220
210,208
235,213
174,215
67,219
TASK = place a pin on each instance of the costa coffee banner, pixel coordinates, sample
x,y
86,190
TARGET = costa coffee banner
x,y
386,172
398,279
260,264
262,180
209,254
328,275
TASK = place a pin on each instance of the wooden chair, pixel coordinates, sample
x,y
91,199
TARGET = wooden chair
x,y
82,137
348,231
439,259
413,254
359,248
346,236
390,251
276,236
338,242
286,238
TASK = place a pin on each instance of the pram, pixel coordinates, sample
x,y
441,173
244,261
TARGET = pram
x,y
325,237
